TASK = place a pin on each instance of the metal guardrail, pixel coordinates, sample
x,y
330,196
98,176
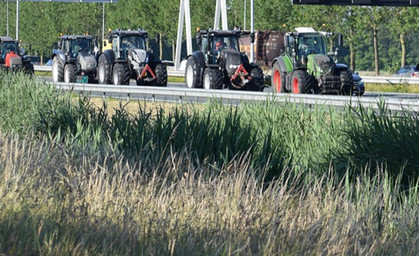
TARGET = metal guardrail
x,y
185,94
367,79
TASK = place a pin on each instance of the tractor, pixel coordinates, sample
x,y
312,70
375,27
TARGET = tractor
x,y
128,58
306,67
219,63
11,56
75,59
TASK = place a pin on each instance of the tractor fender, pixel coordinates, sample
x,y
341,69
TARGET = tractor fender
x,y
339,67
61,56
199,60
110,58
281,63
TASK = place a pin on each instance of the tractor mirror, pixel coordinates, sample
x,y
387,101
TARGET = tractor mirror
x,y
104,43
252,37
30,47
22,51
55,45
340,40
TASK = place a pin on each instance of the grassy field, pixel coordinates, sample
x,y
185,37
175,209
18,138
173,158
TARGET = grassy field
x,y
259,179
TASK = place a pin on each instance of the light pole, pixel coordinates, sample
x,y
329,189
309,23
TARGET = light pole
x,y
7,17
17,20
252,30
245,5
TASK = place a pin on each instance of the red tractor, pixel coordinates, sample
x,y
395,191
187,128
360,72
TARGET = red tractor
x,y
11,57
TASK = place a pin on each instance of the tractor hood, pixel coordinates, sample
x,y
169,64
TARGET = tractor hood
x,y
231,60
138,56
320,64
87,61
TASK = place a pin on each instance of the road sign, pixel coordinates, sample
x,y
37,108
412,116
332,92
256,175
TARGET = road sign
x,y
360,2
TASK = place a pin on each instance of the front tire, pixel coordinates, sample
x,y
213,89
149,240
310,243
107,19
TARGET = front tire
x,y
213,79
278,79
257,82
300,82
346,82
161,75
57,70
104,76
192,74
70,73
121,74
28,68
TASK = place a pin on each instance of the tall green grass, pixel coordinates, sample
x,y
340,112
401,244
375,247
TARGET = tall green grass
x,y
274,136
254,179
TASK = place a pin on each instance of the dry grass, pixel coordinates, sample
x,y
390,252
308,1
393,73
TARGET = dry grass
x,y
54,204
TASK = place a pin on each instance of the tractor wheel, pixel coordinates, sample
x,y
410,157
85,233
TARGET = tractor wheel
x,y
300,82
161,75
257,82
70,73
28,69
313,87
192,74
346,82
278,79
104,76
213,79
57,70
121,74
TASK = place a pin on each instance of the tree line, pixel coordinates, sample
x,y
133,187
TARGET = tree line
x,y
378,38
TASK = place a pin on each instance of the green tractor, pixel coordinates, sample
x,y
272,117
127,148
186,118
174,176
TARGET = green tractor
x,y
220,64
11,56
126,57
307,67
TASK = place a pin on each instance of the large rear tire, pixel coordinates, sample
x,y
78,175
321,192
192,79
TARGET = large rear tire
x,y
161,75
70,73
213,79
278,79
104,70
192,74
57,70
121,74
257,82
346,82
300,82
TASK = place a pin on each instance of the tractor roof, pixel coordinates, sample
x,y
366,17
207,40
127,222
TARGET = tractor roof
x,y
139,32
217,32
70,37
6,39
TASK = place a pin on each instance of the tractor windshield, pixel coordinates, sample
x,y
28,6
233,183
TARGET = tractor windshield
x,y
220,43
133,42
81,45
6,47
311,44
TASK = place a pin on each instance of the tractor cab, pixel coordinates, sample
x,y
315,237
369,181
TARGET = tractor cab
x,y
213,42
124,41
73,45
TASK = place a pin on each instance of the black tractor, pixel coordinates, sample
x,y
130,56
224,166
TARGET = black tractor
x,y
75,59
127,57
219,63
11,56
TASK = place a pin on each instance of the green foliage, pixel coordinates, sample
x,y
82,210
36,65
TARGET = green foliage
x,y
43,22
